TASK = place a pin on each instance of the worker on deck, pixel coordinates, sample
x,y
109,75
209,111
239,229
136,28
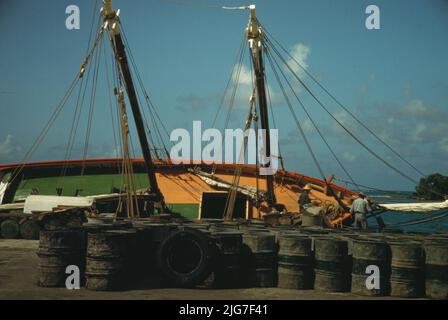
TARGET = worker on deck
x,y
359,210
304,199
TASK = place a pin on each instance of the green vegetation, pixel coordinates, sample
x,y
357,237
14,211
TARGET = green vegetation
x,y
433,187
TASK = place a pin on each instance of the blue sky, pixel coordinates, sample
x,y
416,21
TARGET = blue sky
x,y
394,79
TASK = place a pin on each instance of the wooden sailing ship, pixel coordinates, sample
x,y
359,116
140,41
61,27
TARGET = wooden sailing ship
x,y
196,190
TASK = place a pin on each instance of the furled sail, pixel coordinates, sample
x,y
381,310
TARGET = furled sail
x,y
220,183
415,207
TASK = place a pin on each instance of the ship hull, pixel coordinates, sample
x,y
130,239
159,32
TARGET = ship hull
x,y
184,191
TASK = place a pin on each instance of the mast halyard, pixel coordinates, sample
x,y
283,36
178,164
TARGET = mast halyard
x,y
112,23
255,37
131,201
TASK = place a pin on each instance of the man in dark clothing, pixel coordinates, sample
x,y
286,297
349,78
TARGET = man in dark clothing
x,y
304,199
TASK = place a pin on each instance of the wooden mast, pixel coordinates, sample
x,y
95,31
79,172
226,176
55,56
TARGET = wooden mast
x,y
112,23
255,37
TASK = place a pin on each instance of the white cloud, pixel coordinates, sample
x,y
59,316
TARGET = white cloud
x,y
245,77
245,88
307,126
300,53
350,157
415,107
8,149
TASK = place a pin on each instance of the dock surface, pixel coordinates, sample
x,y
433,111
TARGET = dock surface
x,y
19,273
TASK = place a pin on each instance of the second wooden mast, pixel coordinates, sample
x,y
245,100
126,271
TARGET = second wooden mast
x,y
255,38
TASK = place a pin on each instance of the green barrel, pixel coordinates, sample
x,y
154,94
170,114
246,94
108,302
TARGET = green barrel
x,y
365,253
259,259
10,229
295,262
57,250
407,269
109,260
29,229
331,264
436,269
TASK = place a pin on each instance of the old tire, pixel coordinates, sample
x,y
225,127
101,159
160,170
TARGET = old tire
x,y
9,229
186,257
29,230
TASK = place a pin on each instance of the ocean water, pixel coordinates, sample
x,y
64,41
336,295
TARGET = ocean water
x,y
394,217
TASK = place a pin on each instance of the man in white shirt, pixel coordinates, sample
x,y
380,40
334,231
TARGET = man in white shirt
x,y
359,210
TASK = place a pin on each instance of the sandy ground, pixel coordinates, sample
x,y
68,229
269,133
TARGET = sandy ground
x,y
18,278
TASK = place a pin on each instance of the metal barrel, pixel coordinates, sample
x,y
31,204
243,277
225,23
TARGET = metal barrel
x,y
246,227
110,256
370,267
216,227
350,237
260,259
314,230
332,264
144,258
197,226
436,269
29,229
57,250
227,266
9,229
407,269
295,262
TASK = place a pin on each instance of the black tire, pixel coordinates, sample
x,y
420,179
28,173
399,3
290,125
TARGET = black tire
x,y
29,230
10,229
186,257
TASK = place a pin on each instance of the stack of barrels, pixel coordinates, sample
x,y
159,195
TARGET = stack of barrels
x,y
227,270
407,269
260,257
110,257
114,256
370,267
436,268
149,237
332,264
58,250
295,261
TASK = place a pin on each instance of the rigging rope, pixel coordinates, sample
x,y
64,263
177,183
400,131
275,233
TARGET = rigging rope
x,y
235,76
296,120
231,77
316,162
91,108
434,217
314,124
150,106
339,123
15,173
342,105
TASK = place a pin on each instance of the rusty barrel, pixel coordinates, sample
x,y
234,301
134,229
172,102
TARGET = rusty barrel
x,y
436,269
370,267
9,229
407,269
259,259
295,261
227,266
110,256
331,264
57,250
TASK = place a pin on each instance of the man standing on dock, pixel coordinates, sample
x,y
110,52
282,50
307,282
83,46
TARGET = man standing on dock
x,y
359,210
